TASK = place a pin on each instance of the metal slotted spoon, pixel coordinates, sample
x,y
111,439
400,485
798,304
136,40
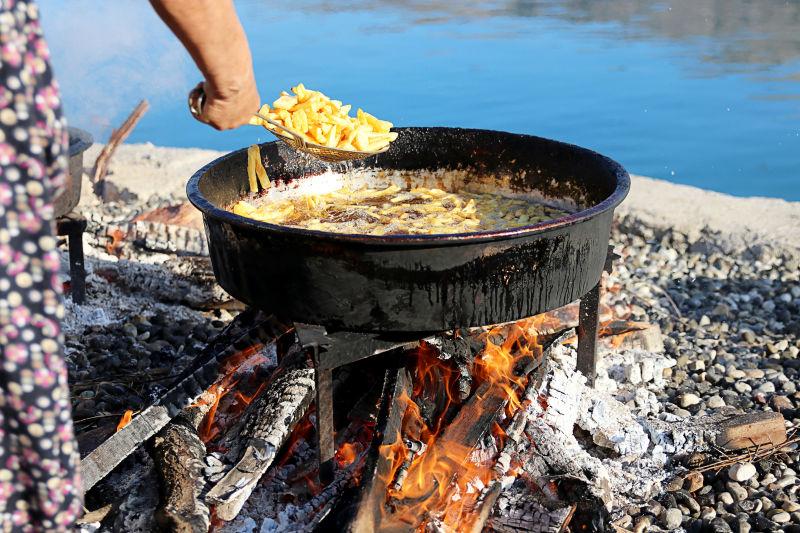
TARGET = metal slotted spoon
x,y
329,154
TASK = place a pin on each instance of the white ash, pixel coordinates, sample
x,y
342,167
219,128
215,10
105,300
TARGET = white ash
x,y
107,303
612,425
620,464
632,368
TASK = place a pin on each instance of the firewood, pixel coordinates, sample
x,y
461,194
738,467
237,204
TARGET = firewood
x,y
461,351
179,453
522,514
118,136
270,421
748,455
194,382
368,509
752,429
160,237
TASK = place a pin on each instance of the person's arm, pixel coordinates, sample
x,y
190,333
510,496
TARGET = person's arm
x,y
211,32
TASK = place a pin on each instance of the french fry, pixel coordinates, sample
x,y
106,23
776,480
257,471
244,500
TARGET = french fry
x,y
251,169
254,155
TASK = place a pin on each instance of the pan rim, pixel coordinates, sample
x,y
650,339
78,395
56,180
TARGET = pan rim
x,y
619,193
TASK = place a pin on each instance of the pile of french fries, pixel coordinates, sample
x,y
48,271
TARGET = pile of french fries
x,y
320,120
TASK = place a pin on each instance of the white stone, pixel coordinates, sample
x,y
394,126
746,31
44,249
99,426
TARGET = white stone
x,y
725,497
715,402
742,472
735,373
767,387
673,518
689,399
697,365
633,374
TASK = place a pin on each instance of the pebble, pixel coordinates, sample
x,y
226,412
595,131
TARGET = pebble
x,y
738,492
790,506
725,497
742,387
673,517
689,399
781,403
781,517
718,525
715,402
693,481
643,524
767,387
741,472
784,482
748,336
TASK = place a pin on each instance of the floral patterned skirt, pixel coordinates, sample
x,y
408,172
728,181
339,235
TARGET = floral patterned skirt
x,y
39,485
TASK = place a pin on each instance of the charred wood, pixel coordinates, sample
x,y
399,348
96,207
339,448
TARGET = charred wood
x,y
269,422
170,238
179,455
246,330
461,351
366,509
522,514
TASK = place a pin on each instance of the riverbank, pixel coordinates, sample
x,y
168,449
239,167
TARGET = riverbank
x,y
737,223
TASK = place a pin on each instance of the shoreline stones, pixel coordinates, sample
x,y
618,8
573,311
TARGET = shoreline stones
x,y
732,323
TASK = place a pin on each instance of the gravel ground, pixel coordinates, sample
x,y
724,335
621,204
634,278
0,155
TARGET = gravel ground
x,y
732,322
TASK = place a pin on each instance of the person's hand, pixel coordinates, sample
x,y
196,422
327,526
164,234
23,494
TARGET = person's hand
x,y
229,105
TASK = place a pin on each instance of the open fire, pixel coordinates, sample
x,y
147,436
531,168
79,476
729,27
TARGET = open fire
x,y
443,464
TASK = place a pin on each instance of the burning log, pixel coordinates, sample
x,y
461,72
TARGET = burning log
x,y
514,433
461,351
179,453
195,381
270,421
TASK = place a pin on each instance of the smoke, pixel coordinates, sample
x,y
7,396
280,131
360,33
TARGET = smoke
x,y
107,55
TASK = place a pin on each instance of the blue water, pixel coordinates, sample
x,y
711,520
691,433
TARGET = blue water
x,y
702,92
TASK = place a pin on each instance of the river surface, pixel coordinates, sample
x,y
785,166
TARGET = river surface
x,y
702,92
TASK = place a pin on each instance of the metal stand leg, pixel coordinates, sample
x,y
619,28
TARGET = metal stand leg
x,y
329,352
588,323
72,226
77,271
326,434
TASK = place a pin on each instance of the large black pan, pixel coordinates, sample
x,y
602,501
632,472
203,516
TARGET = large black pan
x,y
419,283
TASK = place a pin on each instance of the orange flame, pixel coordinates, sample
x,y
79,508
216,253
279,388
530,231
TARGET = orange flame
x,y
239,366
439,480
347,454
125,420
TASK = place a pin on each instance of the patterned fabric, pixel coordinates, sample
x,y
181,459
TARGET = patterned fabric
x,y
39,485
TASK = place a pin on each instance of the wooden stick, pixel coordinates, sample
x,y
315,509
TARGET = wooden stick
x,y
118,136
